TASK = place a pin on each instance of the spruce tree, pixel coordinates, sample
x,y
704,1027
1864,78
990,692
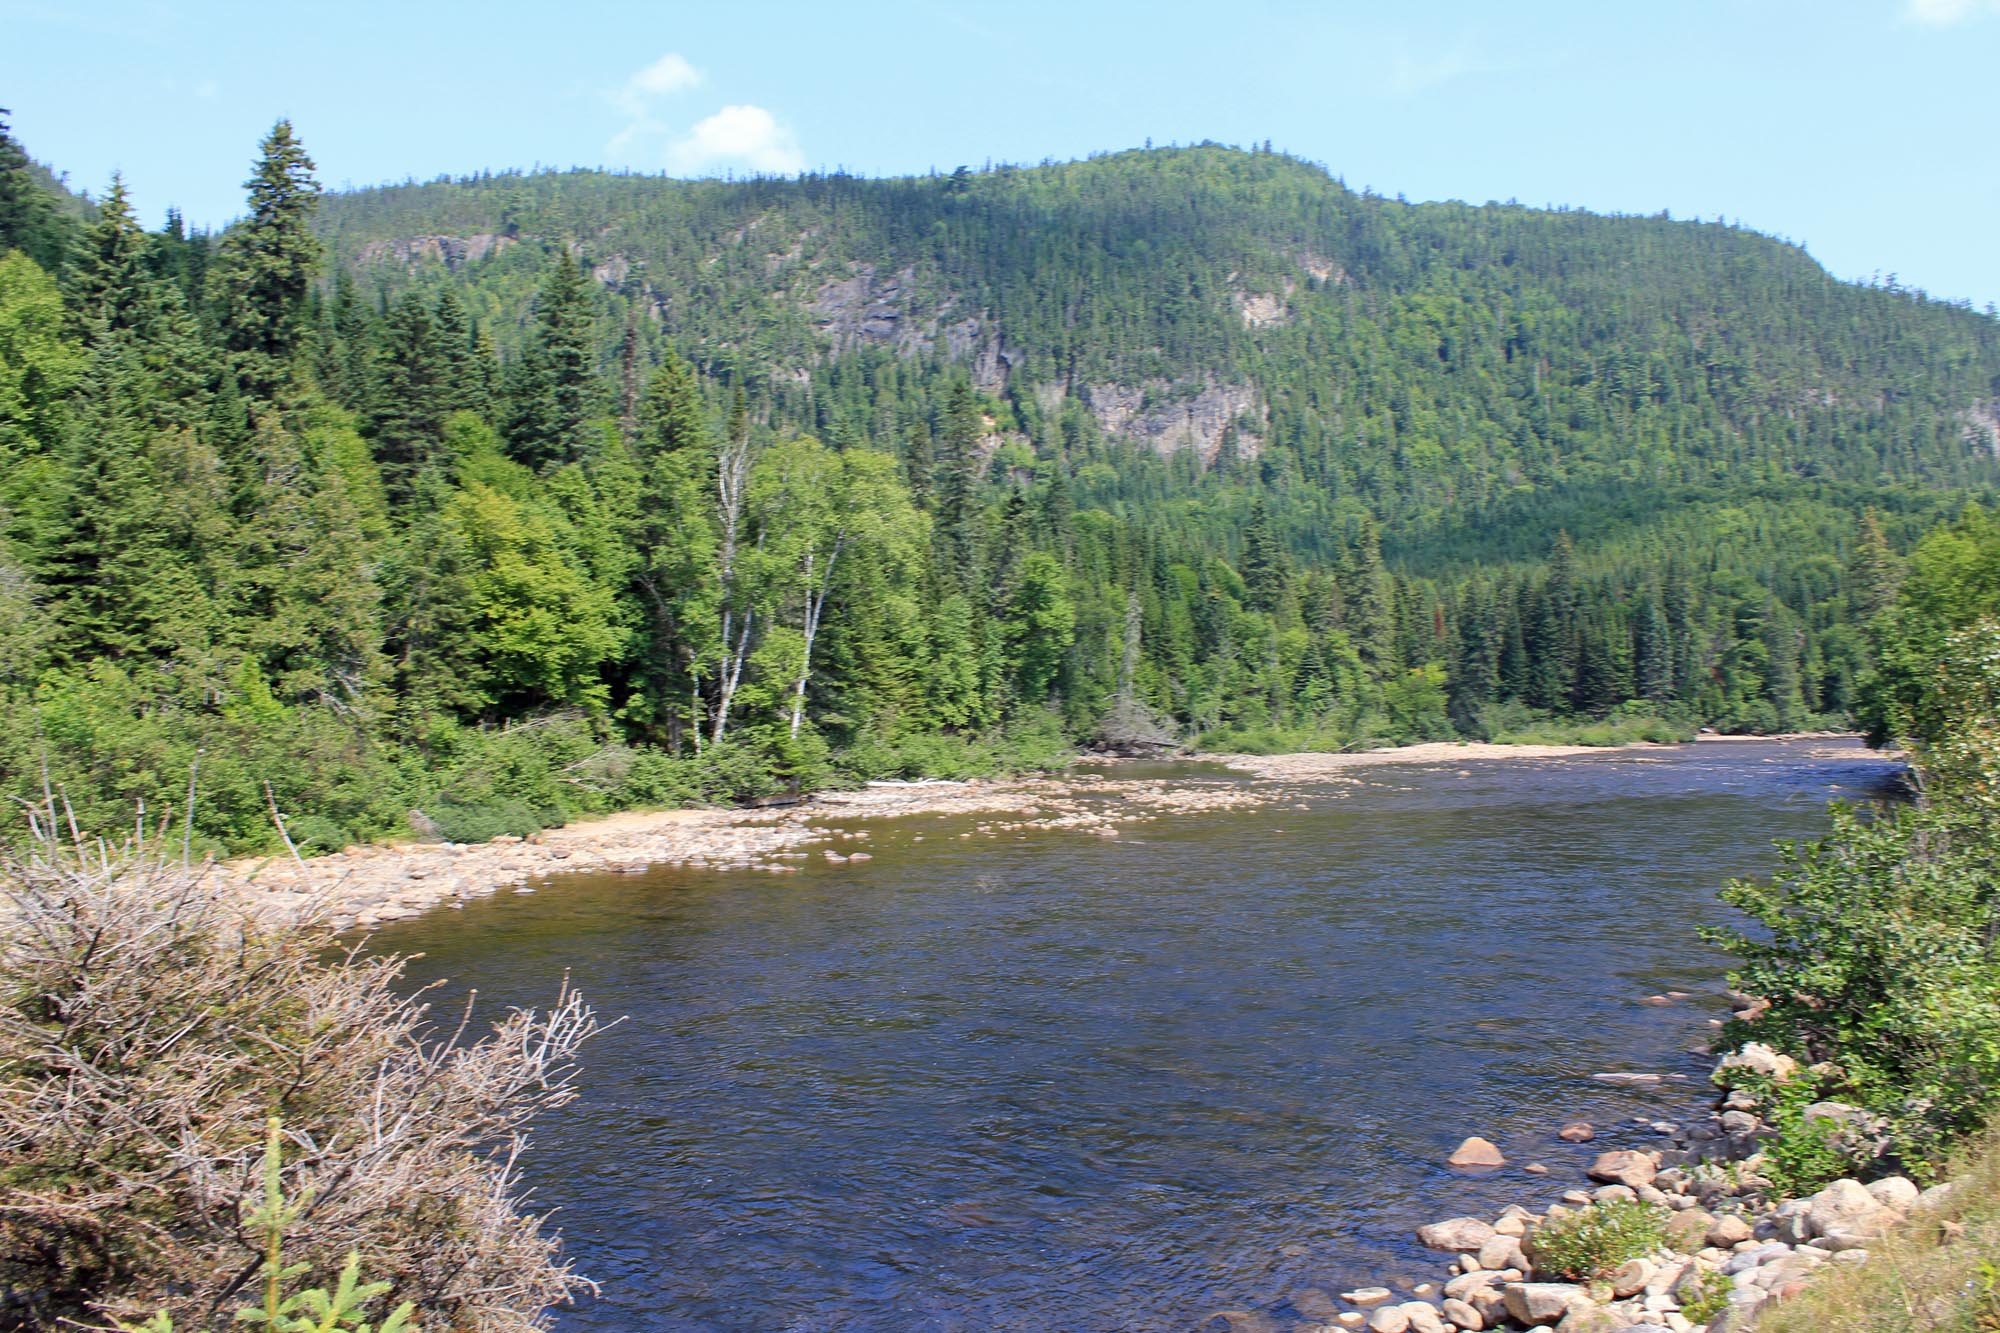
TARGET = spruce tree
x,y
552,385
268,263
29,221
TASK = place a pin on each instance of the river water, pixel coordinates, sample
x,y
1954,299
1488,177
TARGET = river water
x,y
1047,1081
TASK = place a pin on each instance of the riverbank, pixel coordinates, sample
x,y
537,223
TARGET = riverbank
x,y
1696,1237
367,886
363,887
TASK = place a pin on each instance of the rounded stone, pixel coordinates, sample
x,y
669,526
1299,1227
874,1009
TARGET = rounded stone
x,y
1476,1151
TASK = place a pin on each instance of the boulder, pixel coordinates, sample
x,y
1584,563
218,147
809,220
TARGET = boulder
x,y
1476,1151
1614,1194
1757,1058
1624,1167
1463,1316
1586,1317
1844,1208
1423,1317
1461,1288
1895,1192
1539,1303
1792,1222
1502,1252
1389,1319
1630,1278
1783,1271
1689,1229
1459,1233
1577,1131
1933,1197
1491,1302
1727,1230
1366,1296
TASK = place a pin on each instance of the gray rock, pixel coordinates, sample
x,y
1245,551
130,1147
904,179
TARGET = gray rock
x,y
1423,1317
1897,1192
1624,1167
1538,1303
1461,1315
1932,1197
1744,1260
1845,1207
1630,1278
1461,1288
1502,1252
1461,1234
1729,1229
1792,1222
1389,1319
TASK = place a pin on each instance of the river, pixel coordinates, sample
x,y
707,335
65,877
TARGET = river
x,y
1047,1081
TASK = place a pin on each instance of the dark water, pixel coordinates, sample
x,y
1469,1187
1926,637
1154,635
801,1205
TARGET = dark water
x,y
1050,1081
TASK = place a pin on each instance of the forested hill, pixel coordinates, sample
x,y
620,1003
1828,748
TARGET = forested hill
x,y
460,508
1473,378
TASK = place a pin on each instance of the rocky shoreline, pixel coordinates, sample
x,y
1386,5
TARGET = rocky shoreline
x,y
362,887
1728,1243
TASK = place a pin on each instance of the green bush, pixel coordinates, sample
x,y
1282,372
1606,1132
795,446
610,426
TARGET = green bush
x,y
1590,1244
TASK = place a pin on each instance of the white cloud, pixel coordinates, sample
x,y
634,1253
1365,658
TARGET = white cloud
x,y
737,135
638,99
1945,13
668,75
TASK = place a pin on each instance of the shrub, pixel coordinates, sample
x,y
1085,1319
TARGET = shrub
x,y
1808,1154
1592,1242
194,1021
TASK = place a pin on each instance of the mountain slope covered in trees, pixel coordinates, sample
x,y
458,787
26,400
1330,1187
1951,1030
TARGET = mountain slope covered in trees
x,y
469,505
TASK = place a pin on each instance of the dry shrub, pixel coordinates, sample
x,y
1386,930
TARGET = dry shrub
x,y
148,1028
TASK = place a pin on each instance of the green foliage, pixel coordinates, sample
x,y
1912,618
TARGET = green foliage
x,y
310,1309
1874,944
1807,1155
1590,1243
1709,1298
627,479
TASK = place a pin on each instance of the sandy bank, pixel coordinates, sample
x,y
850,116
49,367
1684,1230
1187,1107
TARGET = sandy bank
x,y
366,886
363,887
1312,766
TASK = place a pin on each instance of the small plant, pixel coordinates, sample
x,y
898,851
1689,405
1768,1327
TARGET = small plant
x,y
1807,1154
313,1309
1707,1299
1591,1243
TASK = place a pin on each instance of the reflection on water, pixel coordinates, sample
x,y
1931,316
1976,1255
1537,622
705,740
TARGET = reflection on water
x,y
1046,1081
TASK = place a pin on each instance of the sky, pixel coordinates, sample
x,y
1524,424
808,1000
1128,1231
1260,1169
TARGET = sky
x,y
1864,129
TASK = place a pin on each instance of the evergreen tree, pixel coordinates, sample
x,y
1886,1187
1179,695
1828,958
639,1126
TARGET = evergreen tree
x,y
29,221
552,390
268,263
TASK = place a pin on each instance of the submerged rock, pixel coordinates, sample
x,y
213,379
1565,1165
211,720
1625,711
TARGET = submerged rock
x,y
1476,1151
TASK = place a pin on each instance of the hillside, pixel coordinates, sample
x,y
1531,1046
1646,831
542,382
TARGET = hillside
x,y
1471,377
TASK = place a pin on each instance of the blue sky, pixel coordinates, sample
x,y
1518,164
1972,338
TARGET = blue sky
x,y
1864,128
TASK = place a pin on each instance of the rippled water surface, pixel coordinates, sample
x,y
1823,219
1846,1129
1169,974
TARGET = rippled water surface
x,y
1049,1081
